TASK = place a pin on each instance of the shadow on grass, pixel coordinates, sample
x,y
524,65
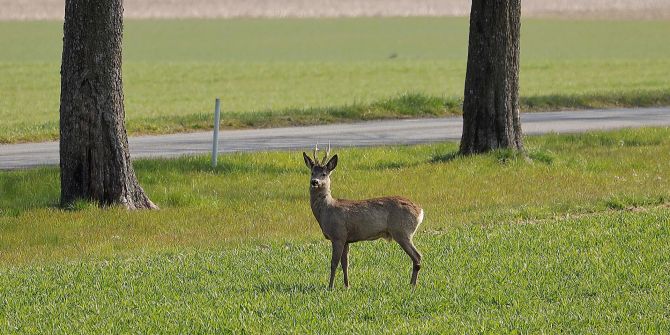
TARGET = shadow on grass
x,y
622,202
445,158
502,156
606,100
506,156
392,165
24,190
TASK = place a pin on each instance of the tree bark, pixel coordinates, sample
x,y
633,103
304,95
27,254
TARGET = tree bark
x,y
94,158
491,98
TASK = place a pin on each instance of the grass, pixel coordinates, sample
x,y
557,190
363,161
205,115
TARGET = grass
x,y
293,71
606,273
572,238
263,196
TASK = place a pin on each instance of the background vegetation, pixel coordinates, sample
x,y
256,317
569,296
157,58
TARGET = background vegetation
x,y
297,71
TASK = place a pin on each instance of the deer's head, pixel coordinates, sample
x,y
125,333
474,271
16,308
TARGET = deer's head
x,y
320,178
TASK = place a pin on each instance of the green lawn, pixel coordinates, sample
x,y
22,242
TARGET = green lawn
x,y
606,273
574,240
296,71
263,196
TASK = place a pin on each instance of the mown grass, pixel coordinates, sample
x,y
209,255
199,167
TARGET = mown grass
x,y
264,196
571,237
606,273
291,71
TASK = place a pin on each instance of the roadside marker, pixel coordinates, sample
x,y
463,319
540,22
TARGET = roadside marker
x,y
215,141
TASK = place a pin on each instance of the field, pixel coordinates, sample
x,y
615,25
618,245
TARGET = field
x,y
606,273
298,71
571,239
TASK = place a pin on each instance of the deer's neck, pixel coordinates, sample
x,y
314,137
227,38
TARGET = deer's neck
x,y
320,200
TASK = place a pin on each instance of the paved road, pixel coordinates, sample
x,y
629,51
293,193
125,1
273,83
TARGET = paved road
x,y
340,135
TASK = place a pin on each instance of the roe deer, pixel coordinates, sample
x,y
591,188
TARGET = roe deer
x,y
347,221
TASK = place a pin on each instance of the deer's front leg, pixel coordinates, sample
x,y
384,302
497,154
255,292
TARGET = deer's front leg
x,y
338,248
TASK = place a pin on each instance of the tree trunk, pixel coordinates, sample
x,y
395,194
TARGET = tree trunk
x,y
491,98
94,159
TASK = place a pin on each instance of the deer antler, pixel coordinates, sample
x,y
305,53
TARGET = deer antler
x,y
316,148
325,158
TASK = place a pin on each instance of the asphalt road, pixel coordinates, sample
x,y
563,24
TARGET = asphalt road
x,y
371,133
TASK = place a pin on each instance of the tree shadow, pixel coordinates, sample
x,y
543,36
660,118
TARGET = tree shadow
x,y
445,158
21,191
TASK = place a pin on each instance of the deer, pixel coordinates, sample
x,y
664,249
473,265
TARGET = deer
x,y
347,221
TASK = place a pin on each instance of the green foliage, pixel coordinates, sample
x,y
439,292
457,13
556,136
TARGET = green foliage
x,y
544,156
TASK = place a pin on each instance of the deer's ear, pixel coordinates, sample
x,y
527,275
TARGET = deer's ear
x,y
332,163
308,161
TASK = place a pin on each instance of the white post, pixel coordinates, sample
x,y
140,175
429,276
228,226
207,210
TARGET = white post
x,y
215,141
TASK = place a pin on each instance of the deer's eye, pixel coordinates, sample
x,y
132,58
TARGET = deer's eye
x,y
323,174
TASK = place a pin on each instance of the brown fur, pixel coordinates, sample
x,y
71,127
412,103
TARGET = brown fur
x,y
347,221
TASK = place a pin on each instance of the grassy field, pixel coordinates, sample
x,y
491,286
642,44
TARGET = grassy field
x,y
573,240
606,273
264,196
297,71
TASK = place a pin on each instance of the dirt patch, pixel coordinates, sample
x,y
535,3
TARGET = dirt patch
x,y
608,9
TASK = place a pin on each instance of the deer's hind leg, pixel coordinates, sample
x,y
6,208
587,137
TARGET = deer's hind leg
x,y
345,264
409,248
338,249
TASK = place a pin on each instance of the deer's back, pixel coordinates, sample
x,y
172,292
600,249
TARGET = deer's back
x,y
371,219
